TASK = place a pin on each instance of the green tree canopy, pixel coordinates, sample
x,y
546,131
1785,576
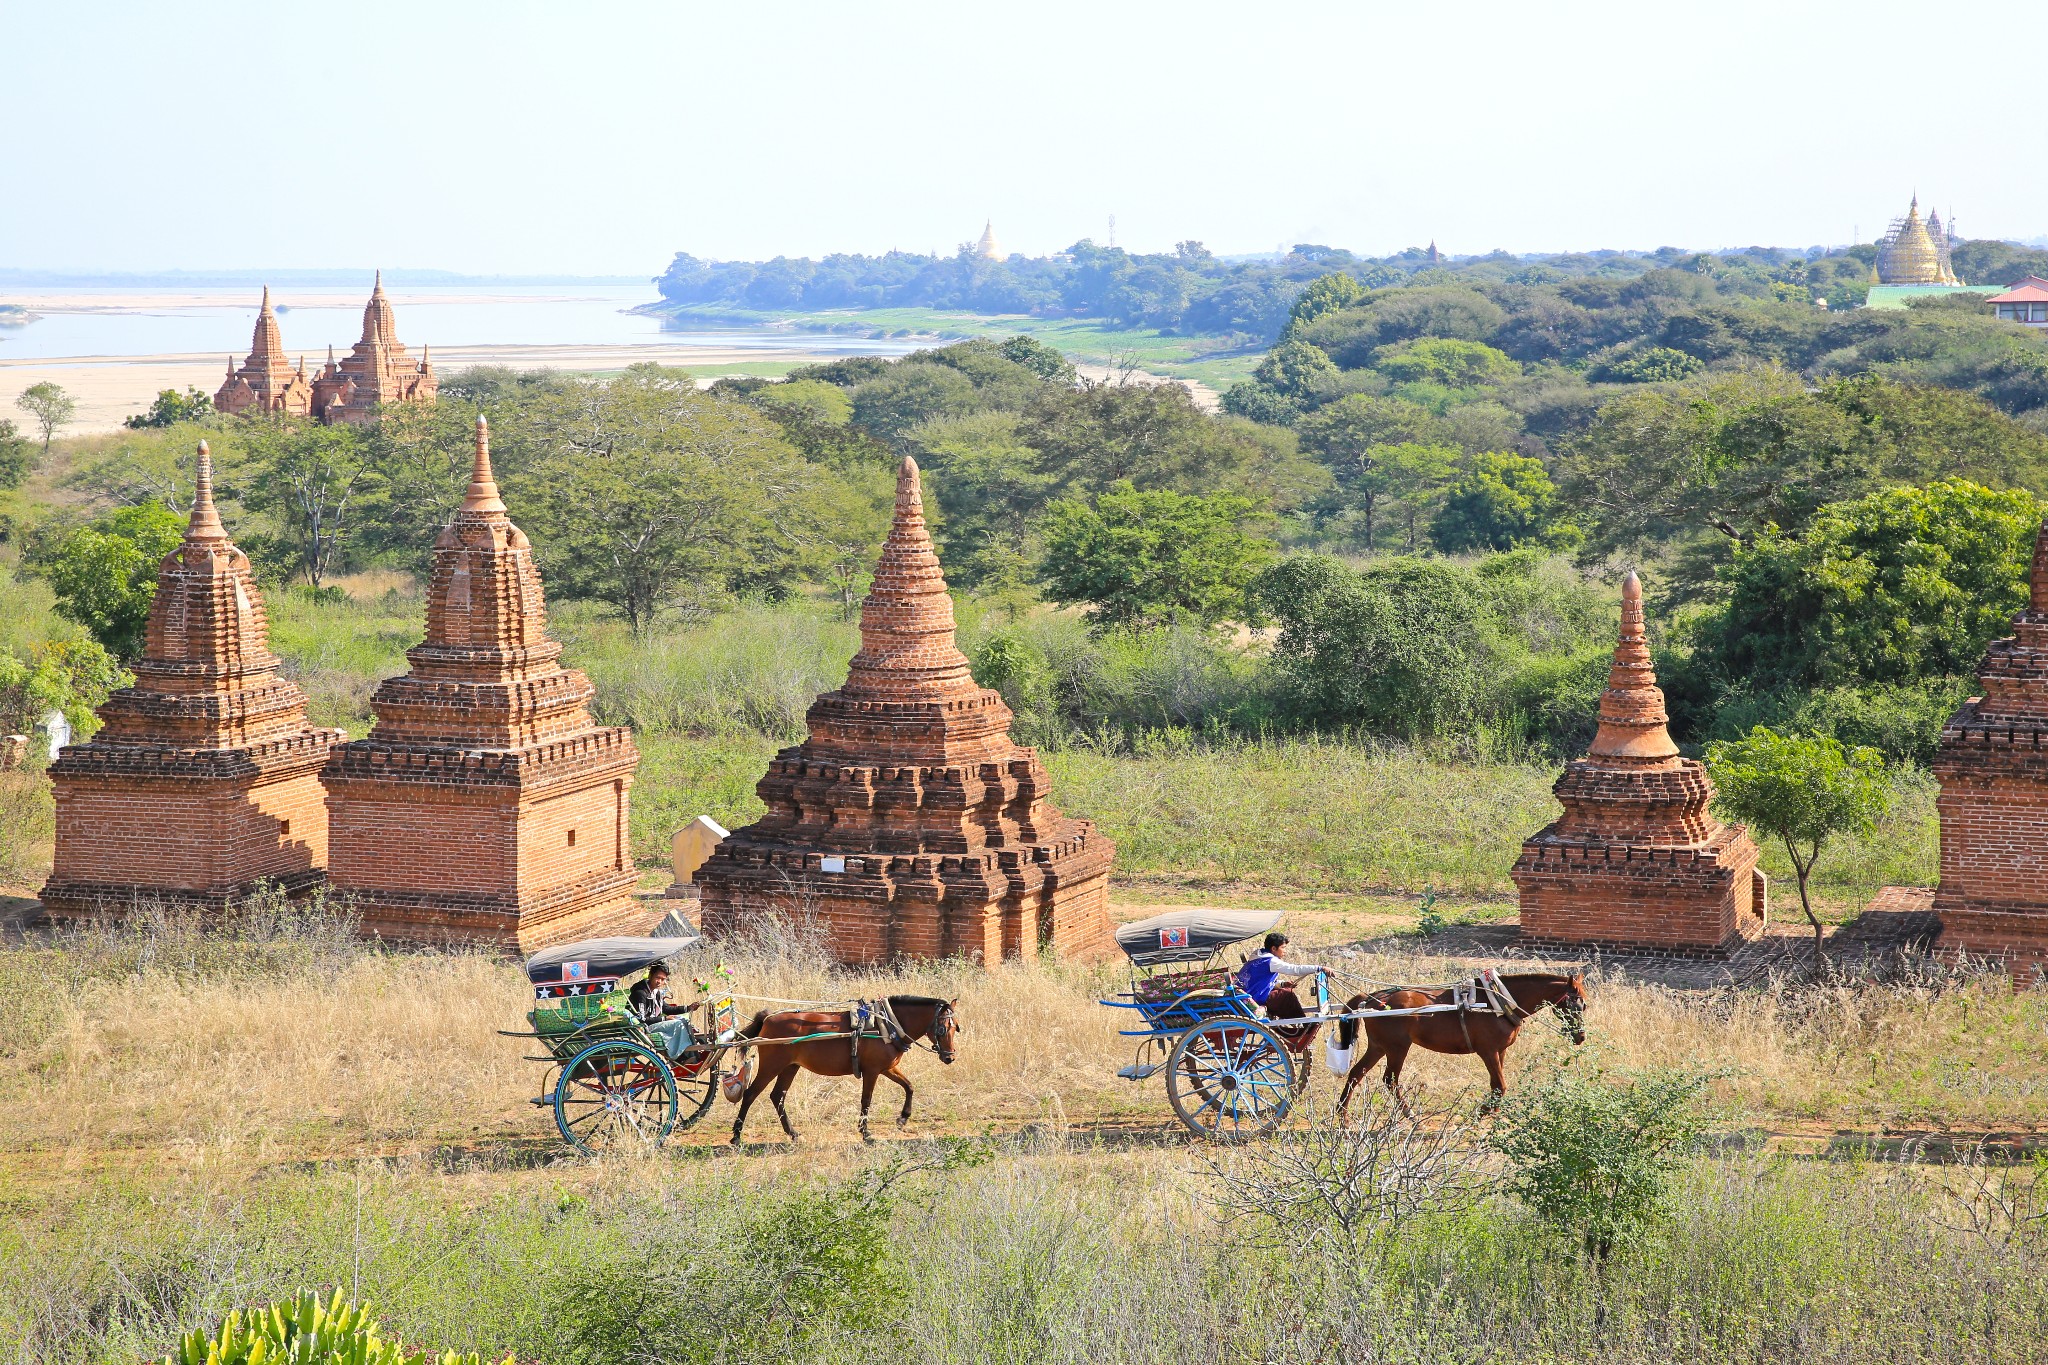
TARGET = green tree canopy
x,y
1153,435
1323,294
1146,558
1445,361
1802,792
1739,453
17,456
171,408
1500,501
1901,586
104,572
648,495
49,407
1296,369
1399,649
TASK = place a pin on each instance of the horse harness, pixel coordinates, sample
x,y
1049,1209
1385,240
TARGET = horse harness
x,y
877,1019
1488,992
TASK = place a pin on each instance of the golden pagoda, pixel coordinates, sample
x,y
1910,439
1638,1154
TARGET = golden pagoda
x,y
1912,254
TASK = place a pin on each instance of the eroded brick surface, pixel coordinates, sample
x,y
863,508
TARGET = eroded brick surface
x,y
485,805
944,841
1637,862
204,776
1993,769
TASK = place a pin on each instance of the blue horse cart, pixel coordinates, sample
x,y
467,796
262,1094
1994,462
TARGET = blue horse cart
x,y
1231,1073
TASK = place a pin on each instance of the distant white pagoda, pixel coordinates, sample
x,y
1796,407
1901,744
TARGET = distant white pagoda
x,y
986,248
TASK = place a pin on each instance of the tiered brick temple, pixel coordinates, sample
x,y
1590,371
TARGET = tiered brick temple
x,y
266,381
378,370
485,806
909,823
1637,863
1993,769
204,779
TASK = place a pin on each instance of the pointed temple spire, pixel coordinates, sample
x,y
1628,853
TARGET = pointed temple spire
x,y
910,768
205,524
1632,716
907,646
483,499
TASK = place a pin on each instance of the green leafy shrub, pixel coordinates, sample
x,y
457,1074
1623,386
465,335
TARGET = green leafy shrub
x,y
1501,501
1649,365
1593,1150
797,1266
304,1331
104,573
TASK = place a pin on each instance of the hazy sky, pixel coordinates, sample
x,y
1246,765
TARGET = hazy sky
x,y
603,137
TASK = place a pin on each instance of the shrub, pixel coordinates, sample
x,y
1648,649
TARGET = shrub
x,y
797,1266
104,573
1499,502
304,1331
1593,1151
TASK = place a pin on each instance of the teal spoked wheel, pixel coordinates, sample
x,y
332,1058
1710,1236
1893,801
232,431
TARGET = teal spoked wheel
x,y
616,1096
1230,1079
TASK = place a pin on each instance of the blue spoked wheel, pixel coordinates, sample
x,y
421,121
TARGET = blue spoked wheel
x,y
615,1096
1230,1079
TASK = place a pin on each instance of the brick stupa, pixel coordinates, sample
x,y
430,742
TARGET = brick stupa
x,y
1637,863
485,806
204,778
909,824
1993,769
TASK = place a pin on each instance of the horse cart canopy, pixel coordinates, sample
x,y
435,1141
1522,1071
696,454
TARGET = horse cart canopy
x,y
1190,935
601,959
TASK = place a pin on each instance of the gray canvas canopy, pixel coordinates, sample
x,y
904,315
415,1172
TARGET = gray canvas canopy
x,y
596,959
1190,935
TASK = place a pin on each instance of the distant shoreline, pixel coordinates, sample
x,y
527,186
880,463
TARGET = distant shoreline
x,y
221,279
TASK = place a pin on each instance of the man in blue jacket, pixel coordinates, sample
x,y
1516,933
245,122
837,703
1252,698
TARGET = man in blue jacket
x,y
1266,974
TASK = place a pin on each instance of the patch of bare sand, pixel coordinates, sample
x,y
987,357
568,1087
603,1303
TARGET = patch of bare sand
x,y
110,389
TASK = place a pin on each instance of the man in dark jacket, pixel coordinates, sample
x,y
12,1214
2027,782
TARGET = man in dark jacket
x,y
649,1003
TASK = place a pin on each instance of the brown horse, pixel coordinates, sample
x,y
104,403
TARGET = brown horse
x,y
880,1049
1475,1030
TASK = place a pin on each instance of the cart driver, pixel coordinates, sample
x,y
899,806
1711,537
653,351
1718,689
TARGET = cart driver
x,y
648,1002
1263,978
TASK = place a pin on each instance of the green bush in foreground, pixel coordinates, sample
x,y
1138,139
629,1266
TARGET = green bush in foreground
x,y
304,1331
1594,1153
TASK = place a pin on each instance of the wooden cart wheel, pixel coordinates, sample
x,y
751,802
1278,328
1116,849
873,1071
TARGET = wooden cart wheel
x,y
615,1096
1230,1079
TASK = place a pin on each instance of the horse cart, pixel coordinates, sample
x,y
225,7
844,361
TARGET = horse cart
x,y
1233,1068
611,1082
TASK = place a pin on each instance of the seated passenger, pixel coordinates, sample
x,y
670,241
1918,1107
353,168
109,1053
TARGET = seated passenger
x,y
648,1002
1261,978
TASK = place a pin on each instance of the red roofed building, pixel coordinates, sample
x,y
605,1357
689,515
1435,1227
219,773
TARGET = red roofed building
x,y
2026,303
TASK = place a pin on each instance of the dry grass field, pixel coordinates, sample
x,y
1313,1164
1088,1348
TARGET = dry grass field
x,y
189,1118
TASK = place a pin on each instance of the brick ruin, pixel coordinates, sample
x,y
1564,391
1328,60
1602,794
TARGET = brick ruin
x,y
378,369
485,805
204,778
909,824
1637,863
1993,767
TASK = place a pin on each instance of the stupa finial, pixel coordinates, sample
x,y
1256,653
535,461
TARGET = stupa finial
x,y
1632,715
205,523
483,487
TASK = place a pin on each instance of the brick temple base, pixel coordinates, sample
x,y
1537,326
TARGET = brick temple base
x,y
157,828
1661,902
